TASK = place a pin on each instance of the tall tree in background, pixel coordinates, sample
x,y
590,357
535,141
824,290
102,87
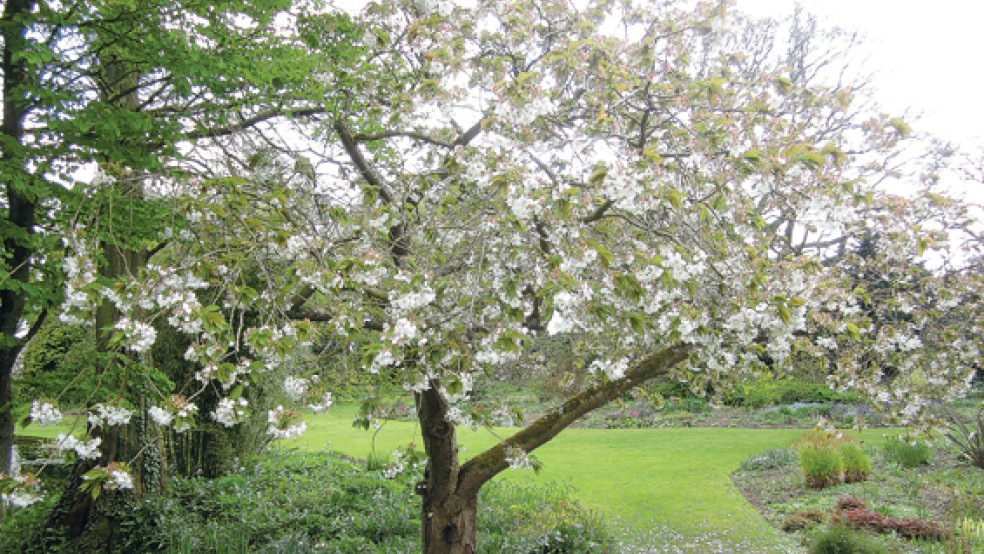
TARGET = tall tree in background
x,y
124,86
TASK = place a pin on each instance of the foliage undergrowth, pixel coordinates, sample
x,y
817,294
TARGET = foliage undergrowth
x,y
318,502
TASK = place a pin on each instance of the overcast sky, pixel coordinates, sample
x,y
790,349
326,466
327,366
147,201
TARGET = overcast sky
x,y
927,55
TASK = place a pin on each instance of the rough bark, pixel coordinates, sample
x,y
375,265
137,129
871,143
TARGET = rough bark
x,y
450,490
448,516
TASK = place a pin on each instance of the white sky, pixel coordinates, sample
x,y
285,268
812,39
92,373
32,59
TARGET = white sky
x,y
926,55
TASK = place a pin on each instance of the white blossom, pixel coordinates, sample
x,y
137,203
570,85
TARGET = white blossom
x,y
403,332
517,458
45,413
20,498
119,479
283,425
160,416
323,404
295,387
139,335
110,416
230,412
86,450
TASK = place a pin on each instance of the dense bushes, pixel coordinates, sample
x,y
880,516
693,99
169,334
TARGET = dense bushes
x,y
768,390
294,502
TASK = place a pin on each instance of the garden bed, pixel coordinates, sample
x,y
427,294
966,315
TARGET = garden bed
x,y
946,491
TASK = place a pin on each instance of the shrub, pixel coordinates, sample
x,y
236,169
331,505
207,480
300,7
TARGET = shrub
x,y
854,513
857,464
863,518
547,519
768,390
850,503
914,528
803,519
841,540
907,454
304,502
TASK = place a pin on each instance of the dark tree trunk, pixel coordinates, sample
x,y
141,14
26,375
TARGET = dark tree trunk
x,y
21,211
450,527
448,513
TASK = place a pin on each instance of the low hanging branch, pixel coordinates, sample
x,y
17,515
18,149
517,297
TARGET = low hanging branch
x,y
480,469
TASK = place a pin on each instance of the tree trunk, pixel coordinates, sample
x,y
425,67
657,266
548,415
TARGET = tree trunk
x,y
450,527
448,513
21,211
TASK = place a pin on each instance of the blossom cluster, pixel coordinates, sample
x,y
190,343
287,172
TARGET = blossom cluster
x,y
230,412
85,450
517,458
21,490
179,411
137,335
110,416
284,424
45,413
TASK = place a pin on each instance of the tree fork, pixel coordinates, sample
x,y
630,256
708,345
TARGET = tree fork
x,y
450,490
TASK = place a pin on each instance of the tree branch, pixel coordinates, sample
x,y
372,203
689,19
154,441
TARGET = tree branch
x,y
488,464
368,172
251,122
368,137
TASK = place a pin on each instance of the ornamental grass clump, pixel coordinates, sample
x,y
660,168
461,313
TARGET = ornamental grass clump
x,y
842,540
827,459
821,465
857,464
969,439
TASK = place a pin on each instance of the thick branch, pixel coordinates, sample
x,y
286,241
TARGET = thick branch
x,y
488,464
470,134
365,169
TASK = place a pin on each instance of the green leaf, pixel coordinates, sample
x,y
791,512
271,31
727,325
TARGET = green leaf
x,y
752,155
675,197
900,126
651,153
598,175
603,252
783,85
784,313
